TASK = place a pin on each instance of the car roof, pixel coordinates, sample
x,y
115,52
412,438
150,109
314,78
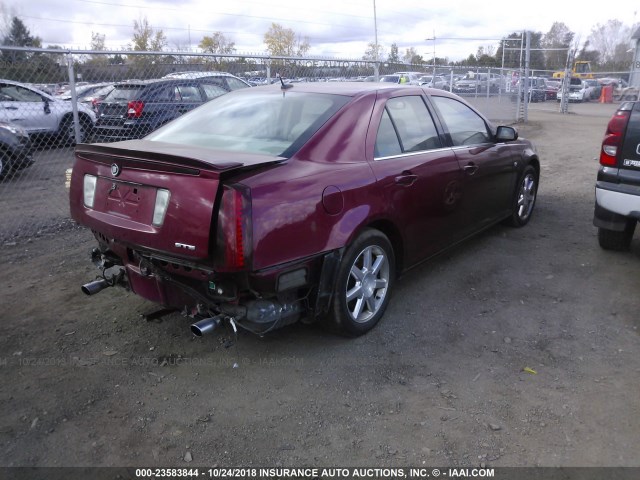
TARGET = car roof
x,y
179,77
351,89
196,74
158,81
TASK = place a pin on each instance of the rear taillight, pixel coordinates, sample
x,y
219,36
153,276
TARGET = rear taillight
x,y
613,137
135,108
233,239
89,190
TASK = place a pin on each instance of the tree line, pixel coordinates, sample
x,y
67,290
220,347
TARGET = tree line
x,y
608,48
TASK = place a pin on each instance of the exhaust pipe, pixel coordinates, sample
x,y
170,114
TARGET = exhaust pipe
x,y
110,279
206,325
94,287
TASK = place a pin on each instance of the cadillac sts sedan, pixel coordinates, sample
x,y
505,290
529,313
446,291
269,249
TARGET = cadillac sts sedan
x,y
276,204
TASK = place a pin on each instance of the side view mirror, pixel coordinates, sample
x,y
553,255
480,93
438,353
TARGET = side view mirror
x,y
47,107
506,134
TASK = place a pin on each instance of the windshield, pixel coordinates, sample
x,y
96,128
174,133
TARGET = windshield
x,y
274,124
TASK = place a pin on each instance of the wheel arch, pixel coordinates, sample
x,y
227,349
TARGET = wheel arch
x,y
68,117
332,260
534,161
391,231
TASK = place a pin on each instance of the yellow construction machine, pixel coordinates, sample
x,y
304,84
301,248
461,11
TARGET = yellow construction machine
x,y
581,69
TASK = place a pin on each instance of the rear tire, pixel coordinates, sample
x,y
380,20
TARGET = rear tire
x,y
363,284
618,241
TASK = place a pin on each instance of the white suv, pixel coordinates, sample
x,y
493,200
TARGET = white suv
x,y
41,114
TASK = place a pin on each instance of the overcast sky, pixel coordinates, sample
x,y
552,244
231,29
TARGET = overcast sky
x,y
334,28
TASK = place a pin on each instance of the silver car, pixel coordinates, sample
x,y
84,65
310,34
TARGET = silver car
x,y
42,114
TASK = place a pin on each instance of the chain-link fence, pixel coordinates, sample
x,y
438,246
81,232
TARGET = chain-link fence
x,y
51,99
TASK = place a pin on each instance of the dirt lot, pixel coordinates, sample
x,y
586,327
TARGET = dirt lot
x,y
85,381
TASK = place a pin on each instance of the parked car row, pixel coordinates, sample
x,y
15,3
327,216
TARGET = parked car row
x,y
474,82
434,81
134,109
110,111
90,95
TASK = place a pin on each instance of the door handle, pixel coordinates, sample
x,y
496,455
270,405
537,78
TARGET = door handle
x,y
406,178
11,108
470,168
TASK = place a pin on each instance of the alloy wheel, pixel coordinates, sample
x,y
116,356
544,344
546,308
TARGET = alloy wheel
x,y
367,283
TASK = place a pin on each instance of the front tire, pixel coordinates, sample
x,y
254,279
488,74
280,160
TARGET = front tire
x,y
525,198
4,165
363,285
68,132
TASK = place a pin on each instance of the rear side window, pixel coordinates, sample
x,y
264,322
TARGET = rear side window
x,y
212,91
124,93
162,93
189,93
387,142
235,84
465,126
406,126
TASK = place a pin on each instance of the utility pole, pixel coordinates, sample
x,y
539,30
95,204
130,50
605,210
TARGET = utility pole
x,y
376,72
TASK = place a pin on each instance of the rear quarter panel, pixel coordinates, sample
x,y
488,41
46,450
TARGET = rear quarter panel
x,y
321,197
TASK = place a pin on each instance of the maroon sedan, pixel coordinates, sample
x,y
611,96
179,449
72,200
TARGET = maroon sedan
x,y
273,204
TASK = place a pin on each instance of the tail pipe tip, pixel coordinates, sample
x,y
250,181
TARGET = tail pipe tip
x,y
206,325
94,287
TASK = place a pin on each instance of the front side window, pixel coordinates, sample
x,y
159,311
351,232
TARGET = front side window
x,y
16,93
465,126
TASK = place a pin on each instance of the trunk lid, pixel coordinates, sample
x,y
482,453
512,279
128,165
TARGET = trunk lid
x,y
129,176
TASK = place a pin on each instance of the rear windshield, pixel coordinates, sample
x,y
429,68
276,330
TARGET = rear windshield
x,y
124,93
274,124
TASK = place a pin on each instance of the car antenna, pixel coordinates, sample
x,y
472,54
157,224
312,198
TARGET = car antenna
x,y
285,85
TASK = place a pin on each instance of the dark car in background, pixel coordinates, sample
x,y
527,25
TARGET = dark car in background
x,y
134,109
552,88
90,95
16,150
537,89
83,91
617,208
274,204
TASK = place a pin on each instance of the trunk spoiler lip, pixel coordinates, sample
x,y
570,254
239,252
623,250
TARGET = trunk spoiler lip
x,y
175,154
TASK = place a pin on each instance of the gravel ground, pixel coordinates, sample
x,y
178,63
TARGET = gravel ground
x,y
518,348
